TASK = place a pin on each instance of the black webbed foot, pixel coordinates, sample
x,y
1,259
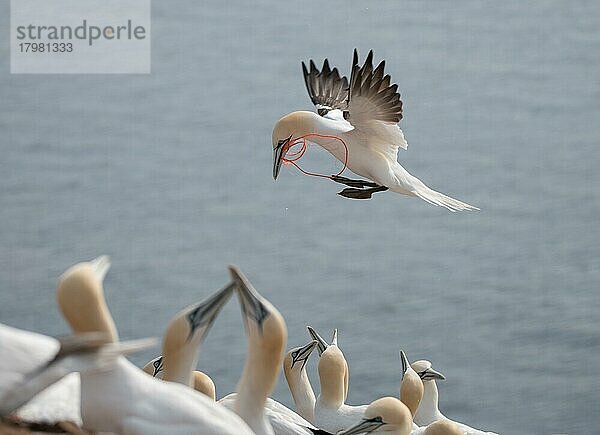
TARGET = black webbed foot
x,y
361,193
361,184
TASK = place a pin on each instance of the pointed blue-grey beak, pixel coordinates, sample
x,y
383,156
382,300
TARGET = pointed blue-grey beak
x,y
278,153
366,425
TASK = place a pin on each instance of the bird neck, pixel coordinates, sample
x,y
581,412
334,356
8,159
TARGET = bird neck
x,y
411,390
332,391
302,393
428,410
321,131
258,379
346,380
332,370
178,366
180,351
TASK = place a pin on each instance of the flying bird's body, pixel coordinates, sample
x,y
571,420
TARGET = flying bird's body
x,y
363,115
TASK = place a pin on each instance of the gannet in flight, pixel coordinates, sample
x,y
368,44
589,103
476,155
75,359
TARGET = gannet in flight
x,y
360,119
267,335
126,400
387,414
428,411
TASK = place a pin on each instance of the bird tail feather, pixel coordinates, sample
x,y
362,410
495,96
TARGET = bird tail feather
x,y
439,199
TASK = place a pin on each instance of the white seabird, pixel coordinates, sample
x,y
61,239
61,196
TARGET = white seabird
x,y
126,400
294,369
428,411
412,394
359,119
331,411
267,335
322,345
411,386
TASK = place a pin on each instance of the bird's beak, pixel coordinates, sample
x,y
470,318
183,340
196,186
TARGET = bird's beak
x,y
278,153
431,374
364,426
251,301
304,353
334,337
101,265
322,344
205,313
405,363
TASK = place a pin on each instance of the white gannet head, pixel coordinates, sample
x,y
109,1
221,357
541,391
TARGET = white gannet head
x,y
80,296
425,372
288,128
443,427
411,386
387,414
267,336
295,359
154,367
185,334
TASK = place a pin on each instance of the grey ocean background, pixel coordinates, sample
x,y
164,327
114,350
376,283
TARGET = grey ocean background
x,y
170,174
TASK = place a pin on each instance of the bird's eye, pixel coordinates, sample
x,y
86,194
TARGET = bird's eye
x,y
294,354
322,112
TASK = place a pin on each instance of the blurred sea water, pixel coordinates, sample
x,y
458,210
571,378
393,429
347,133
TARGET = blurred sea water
x,y
170,174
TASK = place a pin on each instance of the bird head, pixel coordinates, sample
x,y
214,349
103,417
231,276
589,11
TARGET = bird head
x,y
292,125
426,372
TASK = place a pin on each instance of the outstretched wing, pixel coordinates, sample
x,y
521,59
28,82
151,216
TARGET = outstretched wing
x,y
371,96
326,88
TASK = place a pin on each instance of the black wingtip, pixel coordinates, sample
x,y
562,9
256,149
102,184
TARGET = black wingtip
x,y
355,58
369,59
